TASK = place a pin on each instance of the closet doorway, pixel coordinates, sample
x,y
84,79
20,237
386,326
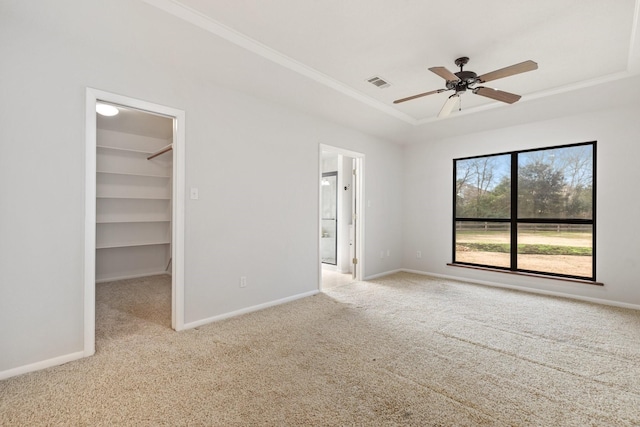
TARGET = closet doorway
x,y
134,223
341,219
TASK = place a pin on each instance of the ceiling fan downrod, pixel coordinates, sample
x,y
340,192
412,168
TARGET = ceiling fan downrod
x,y
461,62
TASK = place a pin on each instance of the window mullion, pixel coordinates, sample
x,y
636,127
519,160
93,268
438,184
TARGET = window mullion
x,y
514,211
455,214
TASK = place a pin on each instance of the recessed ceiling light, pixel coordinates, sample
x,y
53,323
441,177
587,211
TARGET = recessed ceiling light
x,y
106,110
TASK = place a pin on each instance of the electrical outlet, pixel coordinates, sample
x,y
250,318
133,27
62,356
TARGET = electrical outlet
x,y
419,254
243,281
381,254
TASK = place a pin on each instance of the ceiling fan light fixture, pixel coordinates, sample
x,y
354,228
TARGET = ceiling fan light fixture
x,y
106,109
448,106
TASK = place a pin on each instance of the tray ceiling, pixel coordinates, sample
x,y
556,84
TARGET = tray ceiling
x,y
344,43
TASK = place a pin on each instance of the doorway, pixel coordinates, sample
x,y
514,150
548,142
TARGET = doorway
x,y
136,206
341,221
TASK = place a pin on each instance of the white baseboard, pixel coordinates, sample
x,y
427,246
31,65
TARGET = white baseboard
x,y
386,273
41,365
248,310
527,289
134,276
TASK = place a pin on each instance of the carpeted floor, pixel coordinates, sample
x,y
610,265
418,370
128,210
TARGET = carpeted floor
x,y
401,350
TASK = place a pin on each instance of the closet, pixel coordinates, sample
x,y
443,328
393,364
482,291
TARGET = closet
x,y
133,195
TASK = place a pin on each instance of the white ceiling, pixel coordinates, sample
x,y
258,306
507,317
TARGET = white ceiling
x,y
336,45
137,122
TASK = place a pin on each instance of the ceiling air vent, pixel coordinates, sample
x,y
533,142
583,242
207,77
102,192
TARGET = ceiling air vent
x,y
378,81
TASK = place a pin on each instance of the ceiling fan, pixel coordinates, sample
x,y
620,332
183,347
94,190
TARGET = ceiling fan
x,y
463,80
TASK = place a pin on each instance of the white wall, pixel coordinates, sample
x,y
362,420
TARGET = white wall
x,y
254,162
428,199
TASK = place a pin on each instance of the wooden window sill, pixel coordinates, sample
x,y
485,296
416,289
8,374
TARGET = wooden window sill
x,y
520,273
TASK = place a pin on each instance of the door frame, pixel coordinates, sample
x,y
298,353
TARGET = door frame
x,y
178,208
358,181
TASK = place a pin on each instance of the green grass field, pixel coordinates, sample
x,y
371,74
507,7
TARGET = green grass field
x,y
530,249
532,243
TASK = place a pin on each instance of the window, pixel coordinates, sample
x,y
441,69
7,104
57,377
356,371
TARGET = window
x,y
530,211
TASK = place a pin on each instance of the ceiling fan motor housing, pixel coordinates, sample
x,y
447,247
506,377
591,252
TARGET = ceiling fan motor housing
x,y
467,78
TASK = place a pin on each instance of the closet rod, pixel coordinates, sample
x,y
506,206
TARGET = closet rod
x,y
161,151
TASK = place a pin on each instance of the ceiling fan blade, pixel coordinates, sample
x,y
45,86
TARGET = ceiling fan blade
x,y
449,105
420,95
508,71
496,94
444,73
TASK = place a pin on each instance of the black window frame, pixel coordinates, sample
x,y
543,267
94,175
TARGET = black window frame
x,y
514,220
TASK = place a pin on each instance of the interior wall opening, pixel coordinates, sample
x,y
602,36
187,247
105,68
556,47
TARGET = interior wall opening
x,y
339,227
134,204
134,211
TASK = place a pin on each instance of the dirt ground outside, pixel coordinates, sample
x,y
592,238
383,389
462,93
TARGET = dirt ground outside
x,y
544,238
561,264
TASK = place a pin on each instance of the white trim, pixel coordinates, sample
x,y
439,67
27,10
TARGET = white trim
x,y
633,59
532,96
208,24
178,219
342,151
205,22
178,211
43,364
90,225
360,237
385,273
133,276
526,289
249,309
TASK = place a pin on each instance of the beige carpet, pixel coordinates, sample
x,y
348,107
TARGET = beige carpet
x,y
401,350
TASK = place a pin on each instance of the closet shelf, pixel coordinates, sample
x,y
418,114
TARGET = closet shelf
x,y
135,221
129,245
146,175
129,150
133,198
